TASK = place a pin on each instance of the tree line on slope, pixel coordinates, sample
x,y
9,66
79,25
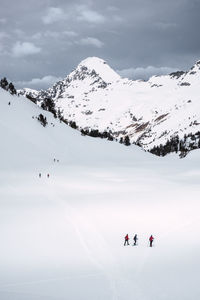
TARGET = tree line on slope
x,y
175,144
97,134
49,105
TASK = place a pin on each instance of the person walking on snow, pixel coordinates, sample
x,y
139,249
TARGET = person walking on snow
x,y
40,175
135,240
48,175
151,240
126,240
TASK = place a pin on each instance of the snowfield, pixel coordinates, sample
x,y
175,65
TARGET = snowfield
x,y
62,237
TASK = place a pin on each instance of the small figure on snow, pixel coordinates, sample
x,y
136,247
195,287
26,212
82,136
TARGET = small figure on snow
x,y
135,240
47,175
151,240
126,240
40,175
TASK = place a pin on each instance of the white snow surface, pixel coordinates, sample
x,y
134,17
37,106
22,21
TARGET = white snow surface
x,y
62,237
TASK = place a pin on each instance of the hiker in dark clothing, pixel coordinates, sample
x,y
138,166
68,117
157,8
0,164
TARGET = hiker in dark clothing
x,y
135,240
126,240
40,175
48,175
151,240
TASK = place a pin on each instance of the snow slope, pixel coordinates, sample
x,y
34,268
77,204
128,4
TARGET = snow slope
x,y
62,237
150,113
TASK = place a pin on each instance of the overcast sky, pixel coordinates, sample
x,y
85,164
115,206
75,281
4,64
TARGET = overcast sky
x,y
43,40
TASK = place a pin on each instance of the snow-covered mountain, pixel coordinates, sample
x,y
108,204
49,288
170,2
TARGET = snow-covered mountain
x,y
161,115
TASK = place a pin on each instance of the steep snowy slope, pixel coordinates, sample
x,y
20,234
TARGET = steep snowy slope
x,y
165,108
62,237
26,142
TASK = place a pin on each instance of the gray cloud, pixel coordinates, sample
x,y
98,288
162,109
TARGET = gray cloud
x,y
39,83
24,48
88,15
130,35
2,20
164,25
4,35
145,73
70,33
90,41
54,14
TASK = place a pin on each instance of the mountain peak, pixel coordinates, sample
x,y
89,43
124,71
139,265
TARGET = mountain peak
x,y
197,63
100,67
93,60
196,66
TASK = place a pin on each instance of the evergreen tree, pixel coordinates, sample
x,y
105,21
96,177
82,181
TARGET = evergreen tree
x,y
49,105
4,83
59,115
12,89
73,124
110,138
31,98
42,120
95,133
105,135
127,140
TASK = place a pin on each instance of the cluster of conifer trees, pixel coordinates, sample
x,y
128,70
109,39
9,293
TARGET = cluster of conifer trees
x,y
42,120
188,143
8,86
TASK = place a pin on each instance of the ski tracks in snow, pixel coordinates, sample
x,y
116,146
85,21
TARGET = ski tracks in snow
x,y
94,246
93,243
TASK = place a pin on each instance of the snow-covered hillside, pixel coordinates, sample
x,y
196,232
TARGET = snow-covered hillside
x,y
152,113
62,237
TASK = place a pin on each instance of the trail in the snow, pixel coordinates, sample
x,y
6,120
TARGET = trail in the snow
x,y
96,248
94,245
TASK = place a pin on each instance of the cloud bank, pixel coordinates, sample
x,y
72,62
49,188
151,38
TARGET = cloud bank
x,y
24,48
39,83
145,72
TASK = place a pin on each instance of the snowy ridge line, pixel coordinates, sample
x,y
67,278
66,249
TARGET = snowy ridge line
x,y
161,115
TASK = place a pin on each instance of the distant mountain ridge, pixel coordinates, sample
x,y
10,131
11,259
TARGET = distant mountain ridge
x,y
161,115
